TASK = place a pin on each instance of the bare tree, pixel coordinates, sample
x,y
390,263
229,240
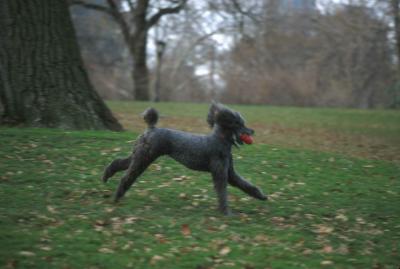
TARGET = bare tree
x,y
135,22
341,58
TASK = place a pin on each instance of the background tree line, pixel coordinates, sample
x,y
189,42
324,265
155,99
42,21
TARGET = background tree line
x,y
260,52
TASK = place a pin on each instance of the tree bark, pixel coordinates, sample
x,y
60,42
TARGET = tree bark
x,y
42,79
139,52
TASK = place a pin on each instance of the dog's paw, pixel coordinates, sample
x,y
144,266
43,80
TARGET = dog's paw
x,y
226,212
105,177
260,195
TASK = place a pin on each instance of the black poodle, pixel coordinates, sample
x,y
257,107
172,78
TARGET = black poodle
x,y
210,153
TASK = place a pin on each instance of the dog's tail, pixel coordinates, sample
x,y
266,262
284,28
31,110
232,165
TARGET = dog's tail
x,y
150,116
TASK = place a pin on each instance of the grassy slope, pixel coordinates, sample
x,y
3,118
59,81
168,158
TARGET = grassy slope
x,y
373,134
325,208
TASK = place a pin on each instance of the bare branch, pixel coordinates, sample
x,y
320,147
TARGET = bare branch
x,y
131,5
247,13
119,18
112,10
164,11
185,54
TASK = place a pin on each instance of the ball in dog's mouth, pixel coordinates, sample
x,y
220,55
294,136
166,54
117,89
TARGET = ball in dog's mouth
x,y
248,139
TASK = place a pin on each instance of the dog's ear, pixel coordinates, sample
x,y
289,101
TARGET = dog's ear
x,y
212,113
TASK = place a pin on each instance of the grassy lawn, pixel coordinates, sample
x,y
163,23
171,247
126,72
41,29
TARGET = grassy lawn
x,y
327,208
372,134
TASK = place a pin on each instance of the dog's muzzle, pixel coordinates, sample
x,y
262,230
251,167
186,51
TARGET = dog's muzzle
x,y
245,135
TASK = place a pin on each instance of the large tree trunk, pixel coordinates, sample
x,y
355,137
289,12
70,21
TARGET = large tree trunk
x,y
42,79
139,52
140,69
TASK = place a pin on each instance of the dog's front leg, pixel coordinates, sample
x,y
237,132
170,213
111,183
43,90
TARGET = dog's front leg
x,y
220,178
237,181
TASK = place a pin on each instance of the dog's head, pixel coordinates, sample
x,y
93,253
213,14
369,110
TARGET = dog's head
x,y
231,123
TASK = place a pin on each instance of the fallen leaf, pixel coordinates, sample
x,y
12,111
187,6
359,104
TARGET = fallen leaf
x,y
45,248
183,195
130,220
155,259
127,245
360,220
326,263
327,249
323,229
106,250
161,238
48,162
109,209
341,217
261,238
185,230
100,223
225,250
51,209
27,253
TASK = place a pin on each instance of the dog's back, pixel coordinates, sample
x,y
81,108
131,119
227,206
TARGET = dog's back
x,y
192,150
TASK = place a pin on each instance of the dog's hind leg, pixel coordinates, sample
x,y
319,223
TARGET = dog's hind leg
x,y
237,181
116,166
141,159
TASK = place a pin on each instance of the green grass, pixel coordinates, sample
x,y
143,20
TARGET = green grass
x,y
376,122
326,210
373,134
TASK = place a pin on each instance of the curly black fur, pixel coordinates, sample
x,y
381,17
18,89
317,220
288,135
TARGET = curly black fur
x,y
210,153
150,116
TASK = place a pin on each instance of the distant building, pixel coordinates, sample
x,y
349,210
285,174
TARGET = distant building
x,y
301,6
